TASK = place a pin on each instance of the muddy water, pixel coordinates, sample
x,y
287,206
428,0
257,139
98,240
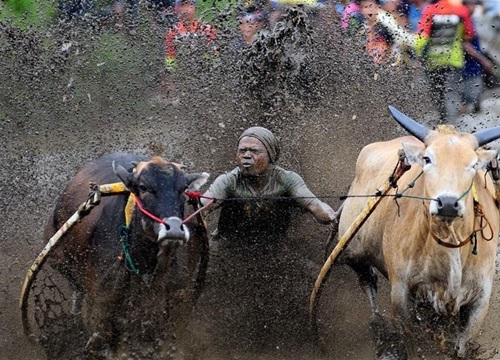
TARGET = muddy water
x,y
68,96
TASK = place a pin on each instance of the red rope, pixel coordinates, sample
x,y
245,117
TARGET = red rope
x,y
147,213
190,194
198,195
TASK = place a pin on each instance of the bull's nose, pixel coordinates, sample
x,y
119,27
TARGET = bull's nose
x,y
448,206
173,229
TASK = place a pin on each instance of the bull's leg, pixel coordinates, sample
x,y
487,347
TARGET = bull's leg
x,y
77,295
76,301
399,301
473,316
100,325
393,343
367,278
104,305
387,339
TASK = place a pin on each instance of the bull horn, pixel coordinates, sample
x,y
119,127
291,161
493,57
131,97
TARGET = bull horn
x,y
410,125
486,136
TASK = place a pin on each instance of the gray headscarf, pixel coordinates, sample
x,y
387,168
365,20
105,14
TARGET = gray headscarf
x,y
267,138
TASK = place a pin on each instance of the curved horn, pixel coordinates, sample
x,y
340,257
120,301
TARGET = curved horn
x,y
487,135
410,125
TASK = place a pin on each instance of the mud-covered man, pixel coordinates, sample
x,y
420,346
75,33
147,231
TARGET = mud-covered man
x,y
256,198
254,275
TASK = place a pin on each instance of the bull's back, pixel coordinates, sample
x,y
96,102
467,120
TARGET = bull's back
x,y
375,163
100,171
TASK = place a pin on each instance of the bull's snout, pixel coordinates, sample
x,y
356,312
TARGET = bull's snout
x,y
448,207
173,229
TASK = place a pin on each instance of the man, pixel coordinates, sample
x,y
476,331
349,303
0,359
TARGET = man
x,y
257,283
257,197
253,23
445,30
476,65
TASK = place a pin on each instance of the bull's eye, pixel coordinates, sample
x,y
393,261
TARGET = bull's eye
x,y
143,188
427,160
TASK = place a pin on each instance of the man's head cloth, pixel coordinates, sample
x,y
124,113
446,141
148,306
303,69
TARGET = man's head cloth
x,y
267,138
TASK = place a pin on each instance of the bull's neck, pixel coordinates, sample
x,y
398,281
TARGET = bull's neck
x,y
446,261
142,249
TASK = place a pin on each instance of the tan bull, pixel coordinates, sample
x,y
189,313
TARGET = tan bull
x,y
437,244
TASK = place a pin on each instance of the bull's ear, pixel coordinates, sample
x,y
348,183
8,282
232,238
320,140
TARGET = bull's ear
x,y
196,181
122,173
414,153
484,157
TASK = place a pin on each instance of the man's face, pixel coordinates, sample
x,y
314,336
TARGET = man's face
x,y
249,28
252,157
471,5
369,8
186,11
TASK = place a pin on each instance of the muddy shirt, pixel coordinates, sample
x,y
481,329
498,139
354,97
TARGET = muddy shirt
x,y
258,218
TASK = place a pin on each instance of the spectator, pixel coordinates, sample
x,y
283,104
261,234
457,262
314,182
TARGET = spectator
x,y
352,18
445,28
253,23
379,40
475,62
312,7
398,8
188,25
415,8
404,40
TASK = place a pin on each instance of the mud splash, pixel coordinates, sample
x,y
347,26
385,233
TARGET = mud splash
x,y
72,93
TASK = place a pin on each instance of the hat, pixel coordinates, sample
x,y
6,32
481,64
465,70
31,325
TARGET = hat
x,y
267,138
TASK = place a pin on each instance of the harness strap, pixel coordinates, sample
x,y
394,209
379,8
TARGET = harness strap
x,y
129,210
113,188
453,246
124,234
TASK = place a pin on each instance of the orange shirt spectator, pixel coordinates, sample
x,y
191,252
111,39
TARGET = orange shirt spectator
x,y
187,25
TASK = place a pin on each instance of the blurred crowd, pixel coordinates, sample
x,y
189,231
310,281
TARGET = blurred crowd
x,y
441,37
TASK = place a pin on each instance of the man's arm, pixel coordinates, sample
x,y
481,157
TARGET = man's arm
x,y
306,199
486,63
218,190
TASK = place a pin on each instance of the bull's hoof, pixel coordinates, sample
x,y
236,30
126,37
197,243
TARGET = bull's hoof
x,y
391,352
98,347
389,343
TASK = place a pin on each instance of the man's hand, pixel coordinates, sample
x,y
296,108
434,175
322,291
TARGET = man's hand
x,y
333,215
324,213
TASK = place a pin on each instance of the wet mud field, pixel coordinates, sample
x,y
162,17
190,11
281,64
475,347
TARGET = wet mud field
x,y
67,97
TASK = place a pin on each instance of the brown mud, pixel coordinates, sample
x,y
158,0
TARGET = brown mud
x,y
59,109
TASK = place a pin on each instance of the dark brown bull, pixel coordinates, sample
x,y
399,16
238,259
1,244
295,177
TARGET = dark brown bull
x,y
93,256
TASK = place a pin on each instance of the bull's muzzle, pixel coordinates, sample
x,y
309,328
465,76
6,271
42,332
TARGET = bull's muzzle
x,y
173,230
448,207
